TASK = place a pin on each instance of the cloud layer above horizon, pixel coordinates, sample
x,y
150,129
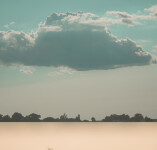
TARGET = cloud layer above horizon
x,y
76,40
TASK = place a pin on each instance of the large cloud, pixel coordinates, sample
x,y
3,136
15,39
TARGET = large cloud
x,y
76,40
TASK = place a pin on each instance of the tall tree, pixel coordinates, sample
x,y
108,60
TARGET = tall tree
x,y
17,117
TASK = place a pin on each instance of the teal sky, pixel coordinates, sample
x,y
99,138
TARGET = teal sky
x,y
90,91
32,12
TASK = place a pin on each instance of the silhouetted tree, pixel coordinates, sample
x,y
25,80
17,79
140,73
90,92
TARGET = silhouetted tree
x,y
78,118
64,117
33,117
6,118
93,119
1,117
17,117
137,117
124,118
49,119
85,120
147,119
117,118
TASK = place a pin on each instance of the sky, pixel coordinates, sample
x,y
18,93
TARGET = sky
x,y
93,58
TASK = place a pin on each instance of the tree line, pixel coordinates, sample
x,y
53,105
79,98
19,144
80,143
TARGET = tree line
x,y
18,117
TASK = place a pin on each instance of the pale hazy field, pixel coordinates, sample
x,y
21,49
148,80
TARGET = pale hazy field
x,y
78,136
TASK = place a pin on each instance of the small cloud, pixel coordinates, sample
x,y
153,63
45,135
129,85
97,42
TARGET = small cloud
x,y
152,12
151,9
134,19
27,70
140,42
145,41
154,49
125,18
11,23
129,22
54,74
62,71
8,25
66,70
119,14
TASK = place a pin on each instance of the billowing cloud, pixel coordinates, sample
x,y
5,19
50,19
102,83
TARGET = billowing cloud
x,y
76,40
